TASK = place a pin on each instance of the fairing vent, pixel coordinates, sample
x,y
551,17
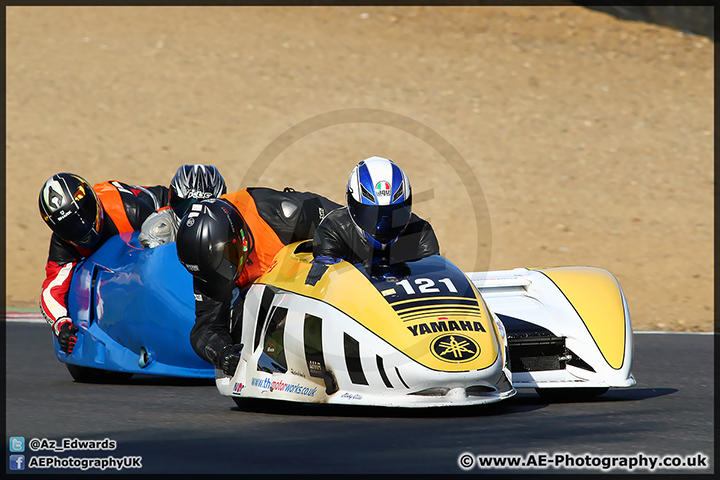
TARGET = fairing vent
x,y
534,354
432,392
479,390
472,391
94,295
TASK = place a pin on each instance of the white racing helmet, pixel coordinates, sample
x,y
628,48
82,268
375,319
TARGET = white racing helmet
x,y
379,200
192,184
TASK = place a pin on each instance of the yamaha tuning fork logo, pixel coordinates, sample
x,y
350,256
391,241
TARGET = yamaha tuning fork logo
x,y
455,348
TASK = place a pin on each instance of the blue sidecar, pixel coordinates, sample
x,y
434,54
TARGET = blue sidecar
x,y
134,308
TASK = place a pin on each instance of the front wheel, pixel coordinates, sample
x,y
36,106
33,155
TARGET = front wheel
x,y
570,394
96,375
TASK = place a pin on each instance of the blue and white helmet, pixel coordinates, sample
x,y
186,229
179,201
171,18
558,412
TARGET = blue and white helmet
x,y
379,200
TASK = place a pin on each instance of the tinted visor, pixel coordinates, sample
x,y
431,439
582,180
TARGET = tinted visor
x,y
83,225
383,223
231,263
180,205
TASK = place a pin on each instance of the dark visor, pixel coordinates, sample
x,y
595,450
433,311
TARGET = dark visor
x,y
79,224
181,205
382,222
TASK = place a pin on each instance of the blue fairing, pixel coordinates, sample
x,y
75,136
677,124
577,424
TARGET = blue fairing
x,y
124,299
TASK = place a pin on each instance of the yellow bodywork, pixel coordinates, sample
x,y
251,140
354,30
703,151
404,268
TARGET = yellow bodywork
x,y
349,291
596,296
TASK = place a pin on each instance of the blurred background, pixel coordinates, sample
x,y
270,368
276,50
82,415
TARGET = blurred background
x,y
537,136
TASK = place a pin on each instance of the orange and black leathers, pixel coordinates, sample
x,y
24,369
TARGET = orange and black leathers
x,y
124,211
273,219
156,196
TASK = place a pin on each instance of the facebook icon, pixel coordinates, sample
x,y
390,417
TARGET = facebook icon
x,y
17,462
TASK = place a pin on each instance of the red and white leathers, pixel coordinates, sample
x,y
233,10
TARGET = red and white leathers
x,y
124,211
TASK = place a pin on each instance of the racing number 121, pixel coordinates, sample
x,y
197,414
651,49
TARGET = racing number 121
x,y
426,285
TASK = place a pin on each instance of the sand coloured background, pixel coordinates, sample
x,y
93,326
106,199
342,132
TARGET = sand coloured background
x,y
591,138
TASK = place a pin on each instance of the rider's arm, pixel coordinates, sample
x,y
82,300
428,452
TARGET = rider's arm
x,y
417,241
428,241
211,332
137,210
156,196
62,259
328,247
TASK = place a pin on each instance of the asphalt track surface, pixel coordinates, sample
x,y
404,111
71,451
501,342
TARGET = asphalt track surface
x,y
185,427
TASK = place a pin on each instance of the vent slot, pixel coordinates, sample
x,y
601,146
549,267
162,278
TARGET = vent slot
x,y
265,302
381,369
94,294
432,392
312,332
401,378
535,354
479,390
352,360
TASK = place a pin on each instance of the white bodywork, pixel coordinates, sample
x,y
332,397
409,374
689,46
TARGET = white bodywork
x,y
402,376
395,380
530,295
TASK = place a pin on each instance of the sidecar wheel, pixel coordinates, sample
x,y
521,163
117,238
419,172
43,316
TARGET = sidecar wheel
x,y
96,375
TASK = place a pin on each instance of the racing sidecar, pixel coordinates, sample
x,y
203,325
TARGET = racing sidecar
x,y
134,308
425,334
417,334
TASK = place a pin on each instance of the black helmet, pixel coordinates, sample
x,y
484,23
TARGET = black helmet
x,y
379,200
211,241
71,208
193,183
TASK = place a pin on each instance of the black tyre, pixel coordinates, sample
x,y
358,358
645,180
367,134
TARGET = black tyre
x,y
570,394
96,375
263,405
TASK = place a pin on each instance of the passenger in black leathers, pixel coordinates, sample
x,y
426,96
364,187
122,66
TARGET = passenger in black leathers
x,y
262,221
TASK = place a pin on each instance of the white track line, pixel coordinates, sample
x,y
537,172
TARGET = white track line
x,y
23,317
635,332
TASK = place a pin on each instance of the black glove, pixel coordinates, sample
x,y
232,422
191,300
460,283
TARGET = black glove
x,y
319,267
317,270
65,332
229,358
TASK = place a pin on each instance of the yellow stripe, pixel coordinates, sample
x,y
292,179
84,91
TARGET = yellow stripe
x,y
596,296
402,302
450,313
468,308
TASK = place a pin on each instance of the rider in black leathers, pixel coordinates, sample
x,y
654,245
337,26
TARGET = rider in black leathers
x,y
372,230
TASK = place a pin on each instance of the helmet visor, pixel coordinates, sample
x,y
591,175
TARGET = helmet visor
x,y
82,226
181,205
383,223
232,262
